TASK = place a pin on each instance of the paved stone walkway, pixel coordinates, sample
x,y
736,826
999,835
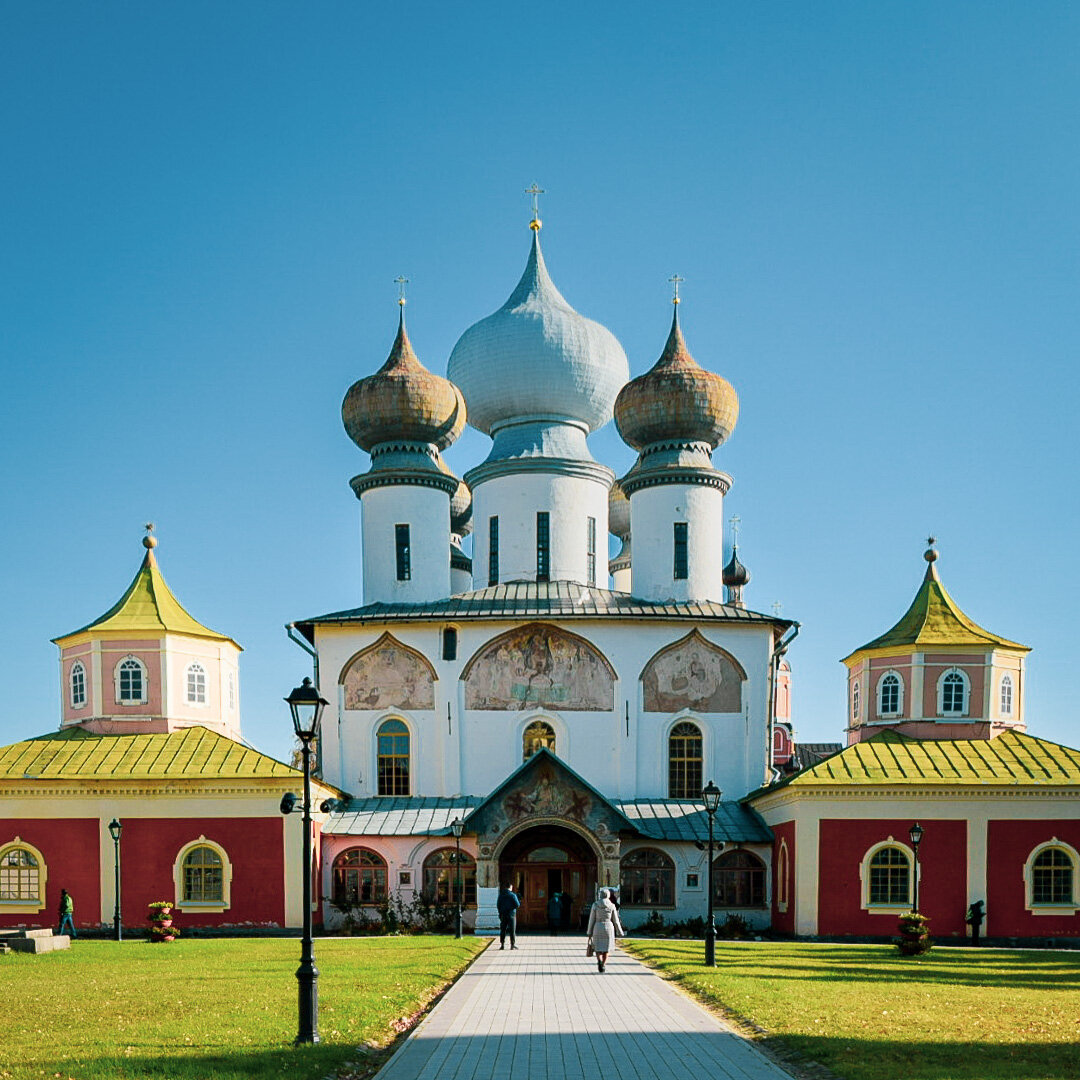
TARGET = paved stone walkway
x,y
543,1012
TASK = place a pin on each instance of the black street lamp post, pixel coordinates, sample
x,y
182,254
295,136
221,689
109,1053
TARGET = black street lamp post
x,y
306,706
457,826
710,796
115,828
915,833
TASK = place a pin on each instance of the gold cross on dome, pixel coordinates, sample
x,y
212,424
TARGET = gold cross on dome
x,y
401,282
149,527
535,191
676,281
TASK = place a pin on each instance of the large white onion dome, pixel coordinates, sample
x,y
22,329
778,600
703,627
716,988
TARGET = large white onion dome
x,y
536,357
403,401
677,400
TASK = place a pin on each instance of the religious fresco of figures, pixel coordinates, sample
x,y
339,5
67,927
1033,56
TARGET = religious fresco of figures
x,y
545,789
536,666
388,675
693,674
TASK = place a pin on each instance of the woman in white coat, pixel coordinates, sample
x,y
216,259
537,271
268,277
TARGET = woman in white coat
x,y
604,927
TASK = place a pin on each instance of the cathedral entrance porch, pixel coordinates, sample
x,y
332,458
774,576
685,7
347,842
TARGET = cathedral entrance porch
x,y
544,861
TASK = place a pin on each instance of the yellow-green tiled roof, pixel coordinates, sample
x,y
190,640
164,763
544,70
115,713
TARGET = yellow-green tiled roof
x,y
890,758
149,606
190,754
935,619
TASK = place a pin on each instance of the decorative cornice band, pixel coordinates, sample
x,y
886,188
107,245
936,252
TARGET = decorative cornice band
x,y
377,479
586,470
704,477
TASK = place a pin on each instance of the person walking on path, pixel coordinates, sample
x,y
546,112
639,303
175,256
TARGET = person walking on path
x,y
507,905
67,913
604,927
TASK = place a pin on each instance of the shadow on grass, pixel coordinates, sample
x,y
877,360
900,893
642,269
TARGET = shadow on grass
x,y
300,1063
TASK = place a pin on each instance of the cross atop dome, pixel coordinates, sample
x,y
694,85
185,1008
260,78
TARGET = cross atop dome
x,y
535,191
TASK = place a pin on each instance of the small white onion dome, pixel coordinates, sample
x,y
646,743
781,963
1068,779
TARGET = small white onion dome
x,y
536,356
677,400
403,401
460,502
618,512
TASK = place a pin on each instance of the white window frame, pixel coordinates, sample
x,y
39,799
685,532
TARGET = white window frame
x,y
856,700
145,681
1052,909
22,906
783,880
78,667
965,705
226,878
1006,692
192,697
899,711
864,878
231,689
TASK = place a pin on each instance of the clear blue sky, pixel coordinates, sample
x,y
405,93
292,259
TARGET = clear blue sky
x,y
204,206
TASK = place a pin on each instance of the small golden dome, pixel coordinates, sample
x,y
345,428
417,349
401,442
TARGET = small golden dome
x,y
460,502
403,400
618,512
677,400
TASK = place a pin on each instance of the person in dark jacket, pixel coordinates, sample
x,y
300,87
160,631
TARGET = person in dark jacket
x,y
507,905
554,913
66,911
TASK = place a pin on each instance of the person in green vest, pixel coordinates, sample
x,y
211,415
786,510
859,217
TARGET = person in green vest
x,y
67,913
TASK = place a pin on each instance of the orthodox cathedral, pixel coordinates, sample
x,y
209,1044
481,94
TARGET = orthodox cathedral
x,y
561,712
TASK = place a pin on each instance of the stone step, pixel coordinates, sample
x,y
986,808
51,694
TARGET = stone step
x,y
40,944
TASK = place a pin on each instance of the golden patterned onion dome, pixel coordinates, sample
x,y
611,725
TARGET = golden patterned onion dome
x,y
403,400
676,400
618,512
460,502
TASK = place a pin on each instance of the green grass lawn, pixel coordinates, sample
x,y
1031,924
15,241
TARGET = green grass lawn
x,y
202,1009
867,1013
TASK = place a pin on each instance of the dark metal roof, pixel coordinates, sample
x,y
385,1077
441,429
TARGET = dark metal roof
x,y
540,600
657,819
675,819
809,754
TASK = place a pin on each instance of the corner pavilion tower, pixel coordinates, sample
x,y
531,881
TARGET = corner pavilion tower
x,y
571,726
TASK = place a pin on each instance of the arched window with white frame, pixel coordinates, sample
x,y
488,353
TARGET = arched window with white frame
x,y
77,681
1006,695
953,693
856,703
196,684
888,877
202,876
1052,879
22,878
783,867
131,681
890,694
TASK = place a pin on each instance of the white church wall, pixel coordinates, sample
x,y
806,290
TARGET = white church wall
x,y
622,752
426,511
515,500
653,513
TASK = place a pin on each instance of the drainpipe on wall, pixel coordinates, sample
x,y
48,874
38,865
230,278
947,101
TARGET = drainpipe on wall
x,y
774,667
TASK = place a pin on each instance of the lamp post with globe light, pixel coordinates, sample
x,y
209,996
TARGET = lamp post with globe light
x,y
306,705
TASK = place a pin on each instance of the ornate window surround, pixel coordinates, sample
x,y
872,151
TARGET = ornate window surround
x,y
864,878
410,734
144,698
226,878
77,688
1006,691
23,906
899,710
965,704
684,717
1052,909
856,700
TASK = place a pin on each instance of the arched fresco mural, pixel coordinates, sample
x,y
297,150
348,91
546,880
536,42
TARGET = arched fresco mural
x,y
388,675
693,674
539,665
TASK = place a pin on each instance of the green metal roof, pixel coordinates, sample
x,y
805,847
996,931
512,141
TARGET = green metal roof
x,y
1011,759
935,619
190,754
148,606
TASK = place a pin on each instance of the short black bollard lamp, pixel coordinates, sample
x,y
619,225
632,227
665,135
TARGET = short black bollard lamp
x,y
115,829
915,834
457,826
710,796
306,706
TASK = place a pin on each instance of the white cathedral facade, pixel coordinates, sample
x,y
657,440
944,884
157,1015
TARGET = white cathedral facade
x,y
568,718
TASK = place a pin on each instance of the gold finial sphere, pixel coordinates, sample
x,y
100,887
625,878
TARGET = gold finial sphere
x,y
536,224
930,555
149,541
